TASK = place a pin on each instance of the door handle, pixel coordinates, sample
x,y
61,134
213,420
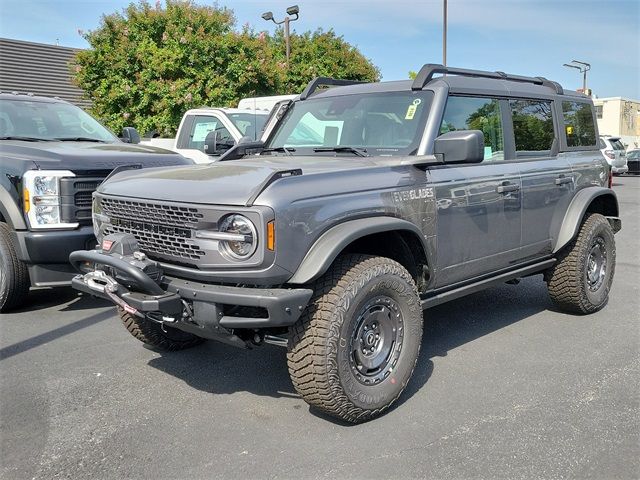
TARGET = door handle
x,y
561,180
507,187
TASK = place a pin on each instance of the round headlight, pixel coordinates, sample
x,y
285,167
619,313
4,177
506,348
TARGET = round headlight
x,y
241,226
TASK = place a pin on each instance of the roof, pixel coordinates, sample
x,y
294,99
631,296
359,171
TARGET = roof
x,y
39,68
613,99
205,110
28,97
455,83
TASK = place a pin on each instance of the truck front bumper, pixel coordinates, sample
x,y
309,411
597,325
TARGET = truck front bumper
x,y
46,253
203,309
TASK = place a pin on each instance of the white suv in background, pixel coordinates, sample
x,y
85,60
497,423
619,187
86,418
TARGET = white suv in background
x,y
614,153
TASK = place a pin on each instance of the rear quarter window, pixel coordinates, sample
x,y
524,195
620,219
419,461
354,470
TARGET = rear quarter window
x,y
579,127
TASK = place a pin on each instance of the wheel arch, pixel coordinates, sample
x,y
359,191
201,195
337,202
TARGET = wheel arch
x,y
588,200
391,237
9,212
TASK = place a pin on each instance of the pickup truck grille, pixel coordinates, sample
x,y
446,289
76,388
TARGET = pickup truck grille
x,y
77,196
164,231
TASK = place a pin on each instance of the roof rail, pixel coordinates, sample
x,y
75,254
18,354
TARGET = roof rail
x,y
426,73
326,81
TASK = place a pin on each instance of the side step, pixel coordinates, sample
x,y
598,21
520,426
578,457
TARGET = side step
x,y
438,298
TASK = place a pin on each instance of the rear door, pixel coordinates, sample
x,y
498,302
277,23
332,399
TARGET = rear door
x,y
479,205
547,179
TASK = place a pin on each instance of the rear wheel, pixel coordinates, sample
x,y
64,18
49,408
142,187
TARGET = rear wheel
x,y
581,279
156,335
354,349
14,276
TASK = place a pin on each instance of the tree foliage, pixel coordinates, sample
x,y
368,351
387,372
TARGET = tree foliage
x,y
149,64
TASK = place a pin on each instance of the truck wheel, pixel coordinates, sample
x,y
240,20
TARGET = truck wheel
x,y
153,334
580,281
354,349
14,276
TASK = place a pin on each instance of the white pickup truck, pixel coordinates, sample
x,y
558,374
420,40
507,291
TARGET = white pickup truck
x,y
231,124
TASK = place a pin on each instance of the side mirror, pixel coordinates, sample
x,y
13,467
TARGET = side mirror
x,y
211,143
462,146
130,135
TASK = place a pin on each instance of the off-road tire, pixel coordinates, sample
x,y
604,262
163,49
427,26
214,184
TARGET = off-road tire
x,y
320,356
151,333
14,276
567,280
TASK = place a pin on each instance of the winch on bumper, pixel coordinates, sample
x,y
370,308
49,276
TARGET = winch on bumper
x,y
119,272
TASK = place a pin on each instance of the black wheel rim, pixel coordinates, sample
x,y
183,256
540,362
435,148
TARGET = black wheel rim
x,y
596,267
376,340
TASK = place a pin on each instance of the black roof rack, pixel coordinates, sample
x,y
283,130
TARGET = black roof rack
x,y
326,81
426,73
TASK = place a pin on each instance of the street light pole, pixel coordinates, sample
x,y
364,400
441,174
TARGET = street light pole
x,y
444,33
583,67
293,10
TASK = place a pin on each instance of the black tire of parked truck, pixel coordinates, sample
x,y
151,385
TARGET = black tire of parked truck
x,y
14,276
581,279
353,351
158,336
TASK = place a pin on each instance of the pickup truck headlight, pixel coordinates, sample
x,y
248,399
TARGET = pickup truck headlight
x,y
241,236
41,198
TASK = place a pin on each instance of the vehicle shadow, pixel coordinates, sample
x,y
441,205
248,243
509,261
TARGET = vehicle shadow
x,y
68,298
222,369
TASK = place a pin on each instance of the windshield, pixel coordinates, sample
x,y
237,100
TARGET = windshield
x,y
49,121
249,124
385,123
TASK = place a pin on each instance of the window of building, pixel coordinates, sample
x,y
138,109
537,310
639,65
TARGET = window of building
x,y
532,125
578,124
473,113
599,111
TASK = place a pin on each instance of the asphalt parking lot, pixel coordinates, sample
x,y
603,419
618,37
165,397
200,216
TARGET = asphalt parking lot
x,y
505,387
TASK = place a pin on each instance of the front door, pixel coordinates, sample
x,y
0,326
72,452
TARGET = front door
x,y
479,206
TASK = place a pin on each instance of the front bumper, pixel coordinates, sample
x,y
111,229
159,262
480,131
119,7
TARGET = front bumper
x,y
46,253
185,304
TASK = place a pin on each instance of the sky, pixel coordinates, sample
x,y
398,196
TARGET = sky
x,y
525,37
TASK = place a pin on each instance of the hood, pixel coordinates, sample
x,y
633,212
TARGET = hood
x,y
89,156
234,182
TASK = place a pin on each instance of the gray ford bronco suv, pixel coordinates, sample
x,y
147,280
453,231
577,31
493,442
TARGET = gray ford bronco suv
x,y
366,204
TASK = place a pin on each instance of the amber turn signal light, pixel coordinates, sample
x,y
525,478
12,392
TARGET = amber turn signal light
x,y
271,235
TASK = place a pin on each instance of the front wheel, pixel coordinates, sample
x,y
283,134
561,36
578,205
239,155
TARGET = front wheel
x,y
581,279
14,276
353,351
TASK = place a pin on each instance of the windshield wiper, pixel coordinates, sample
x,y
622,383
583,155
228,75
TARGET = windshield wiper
x,y
78,139
286,150
26,139
361,152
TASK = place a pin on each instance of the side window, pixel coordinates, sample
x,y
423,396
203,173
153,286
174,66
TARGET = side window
x,y
202,125
472,113
578,124
532,126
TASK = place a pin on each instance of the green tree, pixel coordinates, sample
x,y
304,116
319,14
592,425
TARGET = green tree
x,y
149,64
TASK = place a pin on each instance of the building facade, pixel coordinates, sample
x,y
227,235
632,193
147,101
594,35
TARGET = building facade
x,y
619,117
27,67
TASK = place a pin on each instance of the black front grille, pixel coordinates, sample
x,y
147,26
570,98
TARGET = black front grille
x,y
165,215
161,230
77,194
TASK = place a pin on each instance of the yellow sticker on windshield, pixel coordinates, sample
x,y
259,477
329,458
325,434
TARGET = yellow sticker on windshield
x,y
569,130
411,111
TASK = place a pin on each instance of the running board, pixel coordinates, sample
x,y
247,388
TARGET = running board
x,y
458,292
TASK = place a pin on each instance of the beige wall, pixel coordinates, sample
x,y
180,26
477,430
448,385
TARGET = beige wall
x,y
621,118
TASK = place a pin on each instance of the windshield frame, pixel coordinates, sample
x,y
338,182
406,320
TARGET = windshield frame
x,y
426,97
14,108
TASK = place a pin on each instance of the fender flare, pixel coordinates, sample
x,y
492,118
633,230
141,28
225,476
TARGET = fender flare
x,y
10,211
326,248
577,208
